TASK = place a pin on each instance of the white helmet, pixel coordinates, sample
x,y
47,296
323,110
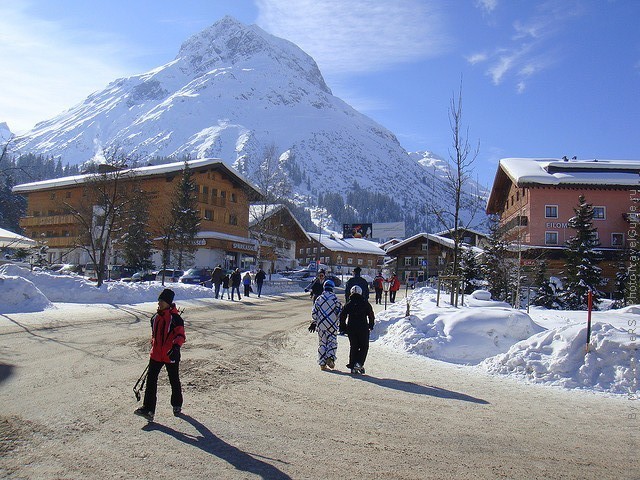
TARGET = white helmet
x,y
356,289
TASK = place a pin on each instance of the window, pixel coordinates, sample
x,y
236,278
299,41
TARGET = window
x,y
599,213
315,249
302,251
349,261
321,249
52,196
370,263
407,261
68,194
550,211
308,250
360,261
424,247
339,259
208,215
233,219
617,239
234,199
551,238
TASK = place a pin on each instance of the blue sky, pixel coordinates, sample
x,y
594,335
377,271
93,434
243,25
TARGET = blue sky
x,y
540,78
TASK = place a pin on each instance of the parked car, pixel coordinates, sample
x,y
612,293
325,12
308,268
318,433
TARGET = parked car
x,y
170,275
142,276
197,276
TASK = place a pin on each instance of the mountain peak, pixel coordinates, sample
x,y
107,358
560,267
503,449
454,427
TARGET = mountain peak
x,y
229,42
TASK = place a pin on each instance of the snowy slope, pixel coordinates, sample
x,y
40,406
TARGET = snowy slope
x,y
5,133
231,91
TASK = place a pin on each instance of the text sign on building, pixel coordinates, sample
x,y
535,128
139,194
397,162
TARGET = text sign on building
x,y
244,246
557,225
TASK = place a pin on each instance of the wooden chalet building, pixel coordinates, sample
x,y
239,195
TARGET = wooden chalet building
x,y
342,255
223,200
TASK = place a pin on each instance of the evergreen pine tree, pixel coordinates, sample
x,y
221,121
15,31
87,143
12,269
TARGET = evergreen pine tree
x,y
546,295
186,217
136,241
621,286
470,271
582,272
495,265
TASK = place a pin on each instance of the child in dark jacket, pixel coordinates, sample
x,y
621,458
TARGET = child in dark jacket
x,y
357,320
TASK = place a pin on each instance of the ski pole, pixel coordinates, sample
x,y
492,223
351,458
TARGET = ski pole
x,y
141,381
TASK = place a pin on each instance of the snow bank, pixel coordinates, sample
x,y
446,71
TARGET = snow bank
x,y
20,295
21,283
465,335
557,357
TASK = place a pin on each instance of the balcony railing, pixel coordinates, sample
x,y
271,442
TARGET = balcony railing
x,y
47,220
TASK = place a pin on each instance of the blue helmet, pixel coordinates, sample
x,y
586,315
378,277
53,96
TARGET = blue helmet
x,y
329,285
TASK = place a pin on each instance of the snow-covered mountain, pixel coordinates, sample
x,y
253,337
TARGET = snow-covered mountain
x,y
5,133
231,91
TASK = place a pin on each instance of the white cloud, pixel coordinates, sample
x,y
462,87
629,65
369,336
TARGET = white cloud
x,y
48,66
359,35
487,6
477,58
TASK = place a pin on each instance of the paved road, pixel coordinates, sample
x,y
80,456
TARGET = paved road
x,y
258,406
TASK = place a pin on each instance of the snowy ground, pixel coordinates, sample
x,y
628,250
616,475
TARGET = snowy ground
x,y
544,346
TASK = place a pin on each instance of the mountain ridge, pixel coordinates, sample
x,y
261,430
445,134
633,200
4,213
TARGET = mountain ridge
x,y
231,91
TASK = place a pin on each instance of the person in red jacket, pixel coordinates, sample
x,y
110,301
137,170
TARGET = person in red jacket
x,y
394,287
167,336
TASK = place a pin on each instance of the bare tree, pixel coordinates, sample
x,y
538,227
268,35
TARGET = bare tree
x,y
100,213
462,157
274,184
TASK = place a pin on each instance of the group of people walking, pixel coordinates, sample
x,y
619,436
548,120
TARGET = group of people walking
x,y
330,318
355,319
221,279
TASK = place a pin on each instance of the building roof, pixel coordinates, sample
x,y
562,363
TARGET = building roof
x,y
13,240
141,172
560,172
263,211
348,245
463,229
447,242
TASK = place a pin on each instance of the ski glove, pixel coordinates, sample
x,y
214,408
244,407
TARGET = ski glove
x,y
312,327
174,354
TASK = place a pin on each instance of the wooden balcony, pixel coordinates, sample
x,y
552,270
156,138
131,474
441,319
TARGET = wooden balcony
x,y
26,222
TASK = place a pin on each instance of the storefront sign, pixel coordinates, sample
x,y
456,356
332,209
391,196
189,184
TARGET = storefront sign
x,y
244,246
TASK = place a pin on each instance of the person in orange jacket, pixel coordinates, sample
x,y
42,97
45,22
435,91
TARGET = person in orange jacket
x,y
394,287
167,336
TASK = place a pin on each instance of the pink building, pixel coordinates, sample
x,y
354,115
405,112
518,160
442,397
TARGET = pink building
x,y
535,198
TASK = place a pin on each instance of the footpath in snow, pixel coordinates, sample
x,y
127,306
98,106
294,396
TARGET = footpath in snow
x,y
544,346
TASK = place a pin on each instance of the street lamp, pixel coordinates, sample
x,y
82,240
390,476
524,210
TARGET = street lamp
x,y
386,285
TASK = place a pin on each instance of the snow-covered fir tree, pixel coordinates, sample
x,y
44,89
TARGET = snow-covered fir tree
x,y
495,266
582,272
620,288
136,240
186,216
546,294
470,271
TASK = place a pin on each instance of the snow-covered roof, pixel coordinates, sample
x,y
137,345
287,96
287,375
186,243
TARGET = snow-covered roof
x,y
553,171
450,230
226,236
260,211
138,172
350,245
560,172
14,240
447,242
